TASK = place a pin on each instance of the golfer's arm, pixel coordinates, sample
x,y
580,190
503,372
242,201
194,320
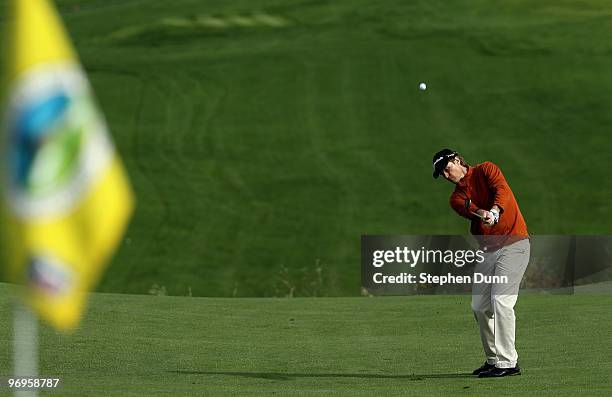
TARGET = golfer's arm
x,y
497,183
458,204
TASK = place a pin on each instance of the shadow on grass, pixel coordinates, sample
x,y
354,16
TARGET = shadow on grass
x,y
291,376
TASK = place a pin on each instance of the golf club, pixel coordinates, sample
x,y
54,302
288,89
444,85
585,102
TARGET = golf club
x,y
468,202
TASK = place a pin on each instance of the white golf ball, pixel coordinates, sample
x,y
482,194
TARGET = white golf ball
x,y
422,86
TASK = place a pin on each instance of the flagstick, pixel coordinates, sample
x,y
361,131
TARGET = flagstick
x,y
25,346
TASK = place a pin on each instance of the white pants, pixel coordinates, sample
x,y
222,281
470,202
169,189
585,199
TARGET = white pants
x,y
493,303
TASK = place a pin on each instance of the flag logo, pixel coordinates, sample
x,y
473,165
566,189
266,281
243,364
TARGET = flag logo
x,y
58,141
50,276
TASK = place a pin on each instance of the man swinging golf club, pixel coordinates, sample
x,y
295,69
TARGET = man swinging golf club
x,y
483,196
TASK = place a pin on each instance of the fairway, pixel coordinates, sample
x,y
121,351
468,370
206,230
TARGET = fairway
x,y
157,346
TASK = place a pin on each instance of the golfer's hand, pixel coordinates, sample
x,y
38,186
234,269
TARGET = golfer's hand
x,y
488,218
495,213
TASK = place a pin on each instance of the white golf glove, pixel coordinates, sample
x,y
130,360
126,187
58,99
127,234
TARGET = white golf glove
x,y
495,214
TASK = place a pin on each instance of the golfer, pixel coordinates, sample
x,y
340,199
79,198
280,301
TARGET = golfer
x,y
483,196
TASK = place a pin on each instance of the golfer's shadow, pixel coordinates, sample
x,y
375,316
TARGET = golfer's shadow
x,y
291,376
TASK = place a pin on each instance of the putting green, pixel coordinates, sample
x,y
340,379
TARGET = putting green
x,y
132,345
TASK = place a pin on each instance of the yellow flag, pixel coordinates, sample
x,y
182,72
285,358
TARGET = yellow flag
x,y
67,199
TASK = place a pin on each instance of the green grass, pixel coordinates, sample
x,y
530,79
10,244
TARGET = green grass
x,y
133,345
264,138
261,153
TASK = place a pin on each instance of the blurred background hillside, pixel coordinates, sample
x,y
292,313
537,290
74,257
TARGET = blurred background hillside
x,y
264,138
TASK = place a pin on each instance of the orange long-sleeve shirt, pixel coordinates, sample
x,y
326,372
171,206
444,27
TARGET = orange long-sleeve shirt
x,y
485,185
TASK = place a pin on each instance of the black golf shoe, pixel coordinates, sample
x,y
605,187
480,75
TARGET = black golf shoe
x,y
484,368
500,372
